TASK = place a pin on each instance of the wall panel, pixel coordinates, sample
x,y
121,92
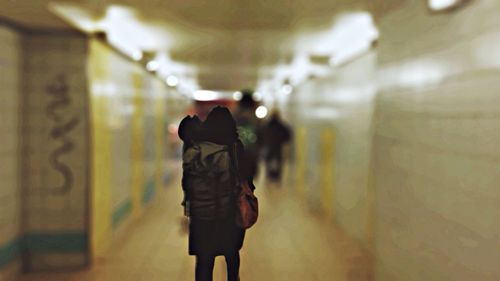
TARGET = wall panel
x,y
55,151
10,187
436,156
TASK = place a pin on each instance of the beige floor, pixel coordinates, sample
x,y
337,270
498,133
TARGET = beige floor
x,y
288,243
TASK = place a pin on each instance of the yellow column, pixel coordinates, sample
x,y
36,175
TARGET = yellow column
x,y
370,222
159,138
300,160
137,186
101,172
327,172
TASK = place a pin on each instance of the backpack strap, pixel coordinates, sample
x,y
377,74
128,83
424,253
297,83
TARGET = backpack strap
x,y
233,152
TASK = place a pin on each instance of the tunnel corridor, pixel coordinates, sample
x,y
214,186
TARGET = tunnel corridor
x,y
392,165
290,242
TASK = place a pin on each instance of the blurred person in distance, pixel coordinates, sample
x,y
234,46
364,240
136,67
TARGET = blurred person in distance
x,y
249,132
275,135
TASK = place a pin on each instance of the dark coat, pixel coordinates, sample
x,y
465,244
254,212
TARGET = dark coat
x,y
250,135
209,184
275,134
209,181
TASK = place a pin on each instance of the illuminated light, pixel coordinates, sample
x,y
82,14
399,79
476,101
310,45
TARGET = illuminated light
x,y
300,68
204,95
237,95
287,89
257,96
261,112
137,55
153,65
351,35
439,5
172,81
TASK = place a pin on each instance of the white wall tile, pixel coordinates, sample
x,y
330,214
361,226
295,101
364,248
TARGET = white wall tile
x,y
10,201
46,58
436,153
346,101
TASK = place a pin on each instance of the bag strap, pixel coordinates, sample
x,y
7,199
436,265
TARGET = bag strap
x,y
236,168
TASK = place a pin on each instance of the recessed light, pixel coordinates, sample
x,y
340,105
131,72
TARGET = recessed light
x,y
204,95
287,89
237,95
153,65
172,81
137,55
441,5
261,112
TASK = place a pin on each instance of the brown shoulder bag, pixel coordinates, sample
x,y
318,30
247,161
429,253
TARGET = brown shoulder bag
x,y
246,201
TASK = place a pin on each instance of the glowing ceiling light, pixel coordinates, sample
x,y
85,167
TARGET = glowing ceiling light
x,y
257,96
153,65
137,55
261,112
300,68
351,35
172,81
237,95
439,5
286,89
204,95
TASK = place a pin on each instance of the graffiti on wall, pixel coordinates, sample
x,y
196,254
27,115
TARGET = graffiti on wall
x,y
63,124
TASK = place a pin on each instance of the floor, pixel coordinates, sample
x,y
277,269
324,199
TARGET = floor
x,y
289,242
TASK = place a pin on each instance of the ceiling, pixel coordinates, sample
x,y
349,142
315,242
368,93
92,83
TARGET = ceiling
x,y
231,44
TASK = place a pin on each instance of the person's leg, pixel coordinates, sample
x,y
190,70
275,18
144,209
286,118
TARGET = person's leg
x,y
273,168
204,267
279,167
233,266
269,168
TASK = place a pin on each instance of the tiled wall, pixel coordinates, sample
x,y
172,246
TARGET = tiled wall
x,y
10,188
48,80
129,136
417,133
340,104
436,146
55,151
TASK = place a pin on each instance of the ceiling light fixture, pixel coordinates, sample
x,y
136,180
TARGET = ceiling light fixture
x,y
261,112
153,65
172,81
237,95
204,95
442,5
257,96
351,35
137,55
287,89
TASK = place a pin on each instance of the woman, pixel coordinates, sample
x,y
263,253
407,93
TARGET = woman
x,y
209,182
188,132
